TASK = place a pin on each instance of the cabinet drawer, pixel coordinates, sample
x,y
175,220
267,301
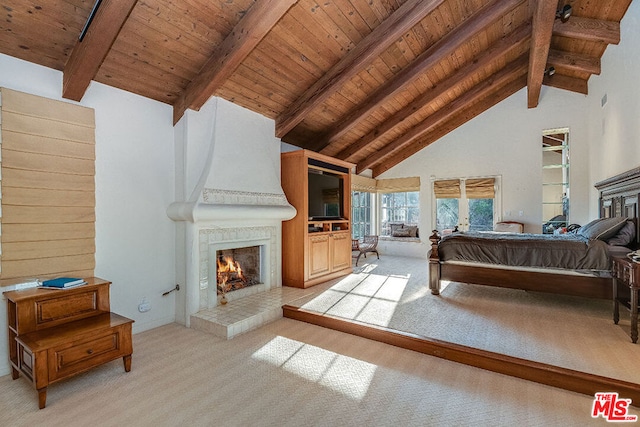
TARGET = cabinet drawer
x,y
79,356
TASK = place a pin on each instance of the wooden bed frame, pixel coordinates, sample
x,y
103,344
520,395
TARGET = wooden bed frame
x,y
618,197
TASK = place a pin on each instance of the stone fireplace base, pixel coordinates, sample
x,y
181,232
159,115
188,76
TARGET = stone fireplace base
x,y
247,313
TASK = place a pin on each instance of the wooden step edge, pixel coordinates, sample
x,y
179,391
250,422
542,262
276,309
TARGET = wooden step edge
x,y
542,373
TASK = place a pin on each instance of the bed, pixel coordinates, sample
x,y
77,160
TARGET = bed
x,y
575,264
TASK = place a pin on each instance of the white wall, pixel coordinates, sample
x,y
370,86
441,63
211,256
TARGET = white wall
x,y
506,140
135,240
614,129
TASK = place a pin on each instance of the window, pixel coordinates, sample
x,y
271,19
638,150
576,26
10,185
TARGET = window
x,y
468,203
361,214
402,207
555,179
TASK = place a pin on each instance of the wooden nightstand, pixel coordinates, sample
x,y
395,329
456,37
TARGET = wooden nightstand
x,y
57,333
627,273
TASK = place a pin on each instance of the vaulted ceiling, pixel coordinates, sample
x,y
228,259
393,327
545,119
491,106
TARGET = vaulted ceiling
x,y
368,81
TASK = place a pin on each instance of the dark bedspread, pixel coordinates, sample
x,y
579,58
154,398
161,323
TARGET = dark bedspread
x,y
567,251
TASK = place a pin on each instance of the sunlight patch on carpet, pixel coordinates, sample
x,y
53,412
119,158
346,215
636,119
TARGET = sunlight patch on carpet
x,y
363,297
345,375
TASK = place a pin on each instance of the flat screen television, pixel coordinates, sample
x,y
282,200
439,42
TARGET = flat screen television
x,y
325,195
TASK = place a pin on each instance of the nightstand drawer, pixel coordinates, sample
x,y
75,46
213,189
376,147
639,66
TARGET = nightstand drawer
x,y
80,356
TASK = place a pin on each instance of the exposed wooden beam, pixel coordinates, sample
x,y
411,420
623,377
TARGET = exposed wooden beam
x,y
492,84
87,55
543,18
594,30
452,124
567,83
245,36
573,62
500,48
479,21
384,35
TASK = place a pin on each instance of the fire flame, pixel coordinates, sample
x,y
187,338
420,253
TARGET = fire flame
x,y
228,267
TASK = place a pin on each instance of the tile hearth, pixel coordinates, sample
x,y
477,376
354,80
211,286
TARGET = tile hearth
x,y
247,313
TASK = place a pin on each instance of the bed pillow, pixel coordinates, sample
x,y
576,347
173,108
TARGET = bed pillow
x,y
602,229
624,236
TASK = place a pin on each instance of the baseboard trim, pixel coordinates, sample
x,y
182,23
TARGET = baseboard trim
x,y
555,376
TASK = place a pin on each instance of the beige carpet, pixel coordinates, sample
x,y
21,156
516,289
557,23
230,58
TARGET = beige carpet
x,y
570,332
288,373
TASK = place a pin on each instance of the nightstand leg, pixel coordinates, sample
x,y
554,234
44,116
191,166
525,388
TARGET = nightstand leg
x,y
127,363
616,307
634,315
15,374
42,397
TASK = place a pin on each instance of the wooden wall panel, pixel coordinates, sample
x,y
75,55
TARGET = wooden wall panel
x,y
48,188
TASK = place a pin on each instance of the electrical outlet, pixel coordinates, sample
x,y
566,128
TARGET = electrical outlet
x,y
144,306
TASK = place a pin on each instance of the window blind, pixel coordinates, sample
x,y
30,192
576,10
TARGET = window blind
x,y
48,188
392,185
447,189
480,188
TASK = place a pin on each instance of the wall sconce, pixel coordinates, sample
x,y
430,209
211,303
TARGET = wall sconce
x,y
565,13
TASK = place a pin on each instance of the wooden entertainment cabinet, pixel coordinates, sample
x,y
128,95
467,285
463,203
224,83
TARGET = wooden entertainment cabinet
x,y
57,333
315,249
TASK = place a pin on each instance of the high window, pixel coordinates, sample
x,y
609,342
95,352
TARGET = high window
x,y
466,203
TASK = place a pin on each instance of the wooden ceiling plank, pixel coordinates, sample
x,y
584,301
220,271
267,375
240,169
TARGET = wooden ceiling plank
x,y
498,49
244,37
425,61
88,54
455,122
543,19
574,61
595,30
372,46
494,83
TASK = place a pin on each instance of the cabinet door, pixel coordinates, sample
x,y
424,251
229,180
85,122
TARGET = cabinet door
x,y
340,251
318,255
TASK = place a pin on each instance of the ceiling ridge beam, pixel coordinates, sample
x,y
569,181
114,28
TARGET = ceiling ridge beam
x,y
384,35
89,53
458,120
493,83
595,30
574,61
245,36
543,19
498,49
444,47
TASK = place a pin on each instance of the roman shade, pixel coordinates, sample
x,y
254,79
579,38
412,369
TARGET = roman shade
x,y
391,185
447,189
480,188
48,188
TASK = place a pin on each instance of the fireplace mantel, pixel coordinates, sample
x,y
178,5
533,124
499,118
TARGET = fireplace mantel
x,y
238,205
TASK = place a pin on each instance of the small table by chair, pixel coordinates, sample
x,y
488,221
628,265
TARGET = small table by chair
x,y
627,273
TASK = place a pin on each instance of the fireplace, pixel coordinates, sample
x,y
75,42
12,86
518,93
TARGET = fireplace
x,y
253,248
237,268
222,206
